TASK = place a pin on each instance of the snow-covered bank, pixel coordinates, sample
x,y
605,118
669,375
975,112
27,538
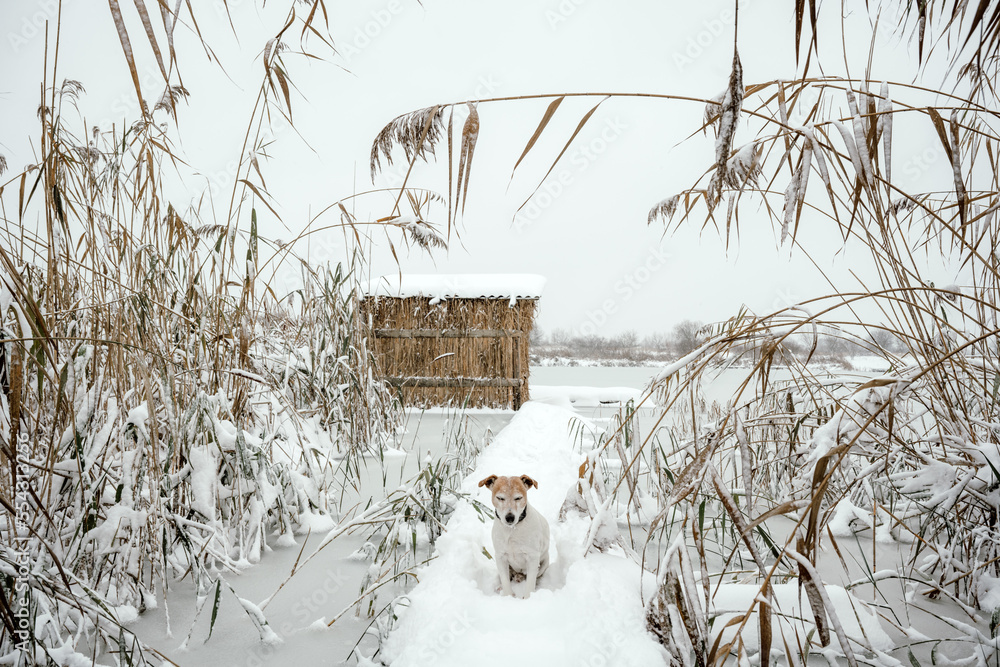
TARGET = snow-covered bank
x,y
585,609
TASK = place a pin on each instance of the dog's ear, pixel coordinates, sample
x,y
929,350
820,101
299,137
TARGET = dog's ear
x,y
528,482
488,482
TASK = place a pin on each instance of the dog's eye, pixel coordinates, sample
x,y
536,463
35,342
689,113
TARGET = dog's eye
x,y
501,498
516,498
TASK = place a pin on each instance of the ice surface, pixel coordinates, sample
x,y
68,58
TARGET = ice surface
x,y
858,620
586,396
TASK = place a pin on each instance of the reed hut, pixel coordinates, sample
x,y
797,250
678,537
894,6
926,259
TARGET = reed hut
x,y
458,340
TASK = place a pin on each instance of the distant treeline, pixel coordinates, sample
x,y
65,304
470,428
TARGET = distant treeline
x,y
686,336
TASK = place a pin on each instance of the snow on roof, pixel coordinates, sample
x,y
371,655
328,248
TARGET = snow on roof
x,y
511,286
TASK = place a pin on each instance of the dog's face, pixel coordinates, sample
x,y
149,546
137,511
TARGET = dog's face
x,y
510,496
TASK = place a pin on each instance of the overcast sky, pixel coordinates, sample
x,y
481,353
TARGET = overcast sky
x,y
585,229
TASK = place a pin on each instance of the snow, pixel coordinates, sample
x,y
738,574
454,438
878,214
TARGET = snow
x,y
858,620
66,656
567,395
683,362
204,479
989,592
842,524
587,610
118,522
511,286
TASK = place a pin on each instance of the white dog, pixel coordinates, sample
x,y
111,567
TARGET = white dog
x,y
520,533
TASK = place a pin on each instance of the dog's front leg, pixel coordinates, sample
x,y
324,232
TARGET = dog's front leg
x,y
530,578
503,569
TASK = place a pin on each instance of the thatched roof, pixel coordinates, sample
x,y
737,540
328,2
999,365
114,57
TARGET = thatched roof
x,y
512,286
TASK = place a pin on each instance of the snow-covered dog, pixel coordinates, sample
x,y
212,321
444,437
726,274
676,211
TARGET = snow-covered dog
x,y
520,533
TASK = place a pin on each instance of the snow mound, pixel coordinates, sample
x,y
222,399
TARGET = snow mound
x,y
585,609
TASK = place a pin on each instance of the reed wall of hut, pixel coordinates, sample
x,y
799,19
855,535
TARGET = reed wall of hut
x,y
465,351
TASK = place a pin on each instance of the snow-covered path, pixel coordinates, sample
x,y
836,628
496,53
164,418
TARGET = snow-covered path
x,y
587,611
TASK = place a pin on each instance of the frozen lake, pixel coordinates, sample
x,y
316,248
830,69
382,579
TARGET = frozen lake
x,y
331,582
593,376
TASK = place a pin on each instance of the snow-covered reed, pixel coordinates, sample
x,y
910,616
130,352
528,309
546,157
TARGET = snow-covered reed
x,y
164,413
757,489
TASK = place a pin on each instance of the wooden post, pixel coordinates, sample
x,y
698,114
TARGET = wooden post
x,y
515,344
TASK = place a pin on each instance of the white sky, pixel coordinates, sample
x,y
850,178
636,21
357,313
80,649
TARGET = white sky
x,y
586,231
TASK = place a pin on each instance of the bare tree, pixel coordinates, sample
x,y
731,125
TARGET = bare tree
x,y
538,336
687,336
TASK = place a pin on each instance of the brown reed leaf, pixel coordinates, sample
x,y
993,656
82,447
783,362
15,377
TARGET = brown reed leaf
x,y
546,117
674,615
147,25
764,625
260,194
279,73
800,8
795,194
451,167
746,461
811,588
831,611
307,25
690,478
717,652
116,15
169,18
941,131
734,512
783,115
956,166
470,134
951,146
860,139
583,121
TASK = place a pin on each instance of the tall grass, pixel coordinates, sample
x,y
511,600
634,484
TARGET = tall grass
x,y
164,413
750,491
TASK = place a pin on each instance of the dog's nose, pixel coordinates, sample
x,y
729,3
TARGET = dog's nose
x,y
509,518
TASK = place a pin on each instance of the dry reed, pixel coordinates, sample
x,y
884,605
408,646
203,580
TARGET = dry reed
x,y
913,450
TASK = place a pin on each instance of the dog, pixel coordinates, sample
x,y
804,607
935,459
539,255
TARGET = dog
x,y
520,533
